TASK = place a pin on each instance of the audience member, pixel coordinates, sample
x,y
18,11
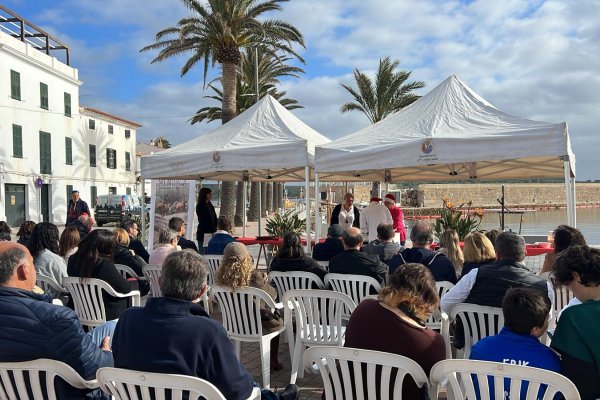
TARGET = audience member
x,y
134,244
122,254
93,259
332,246
207,218
450,246
397,216
478,251
291,257
43,246
492,235
384,246
5,232
438,263
179,226
69,240
346,214
395,323
373,215
222,237
191,343
487,285
353,261
576,335
236,271
84,224
167,244
24,233
564,237
33,327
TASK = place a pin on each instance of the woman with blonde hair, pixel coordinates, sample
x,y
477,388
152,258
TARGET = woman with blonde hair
x,y
123,255
237,271
477,251
451,247
395,322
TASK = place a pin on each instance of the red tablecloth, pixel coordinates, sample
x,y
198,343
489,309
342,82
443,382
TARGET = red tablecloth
x,y
248,241
530,249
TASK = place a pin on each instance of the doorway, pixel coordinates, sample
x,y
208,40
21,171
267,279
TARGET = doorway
x,y
14,204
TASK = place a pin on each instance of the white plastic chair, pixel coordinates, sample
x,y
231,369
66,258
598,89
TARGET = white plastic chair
x,y
478,322
240,309
39,375
460,373
87,298
48,284
291,280
324,264
562,296
214,261
355,286
373,372
319,315
125,384
152,273
435,319
126,271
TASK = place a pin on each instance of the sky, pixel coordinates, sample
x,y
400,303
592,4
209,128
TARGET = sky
x,y
530,58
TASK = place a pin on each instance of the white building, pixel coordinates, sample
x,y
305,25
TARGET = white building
x,y
47,139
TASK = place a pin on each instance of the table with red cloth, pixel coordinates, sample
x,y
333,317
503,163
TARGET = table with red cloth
x,y
263,242
530,249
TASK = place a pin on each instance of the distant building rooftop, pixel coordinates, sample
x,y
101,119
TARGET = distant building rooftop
x,y
114,117
145,149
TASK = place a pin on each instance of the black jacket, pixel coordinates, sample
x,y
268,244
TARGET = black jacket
x,y
328,249
186,244
207,220
358,263
122,255
439,264
469,266
335,216
81,228
139,249
305,264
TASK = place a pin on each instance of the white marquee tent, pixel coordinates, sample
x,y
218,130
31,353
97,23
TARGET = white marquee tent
x,y
451,133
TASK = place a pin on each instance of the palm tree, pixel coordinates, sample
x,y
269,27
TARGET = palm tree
x,y
215,34
387,95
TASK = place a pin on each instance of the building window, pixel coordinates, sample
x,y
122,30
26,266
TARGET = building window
x,y
45,153
15,85
92,155
43,96
127,161
110,129
17,141
92,124
112,190
128,191
127,133
67,104
69,151
94,195
111,158
69,192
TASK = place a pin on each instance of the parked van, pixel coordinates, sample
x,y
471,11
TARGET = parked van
x,y
116,208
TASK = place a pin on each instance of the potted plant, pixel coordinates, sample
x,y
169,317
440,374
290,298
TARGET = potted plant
x,y
280,224
463,220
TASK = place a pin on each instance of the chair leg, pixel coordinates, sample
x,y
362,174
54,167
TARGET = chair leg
x,y
265,354
296,360
238,350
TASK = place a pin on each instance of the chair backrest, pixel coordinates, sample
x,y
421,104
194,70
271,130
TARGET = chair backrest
x,y
126,272
355,286
213,264
324,264
363,374
478,322
435,319
48,284
318,315
39,375
125,384
87,298
291,280
240,310
562,296
152,272
534,263
461,373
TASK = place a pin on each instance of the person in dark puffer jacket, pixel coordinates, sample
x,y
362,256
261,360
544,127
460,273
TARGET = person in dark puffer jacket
x,y
33,327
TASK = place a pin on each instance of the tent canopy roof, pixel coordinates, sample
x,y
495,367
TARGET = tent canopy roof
x,y
265,140
451,133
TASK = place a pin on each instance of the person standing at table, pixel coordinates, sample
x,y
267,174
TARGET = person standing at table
x,y
397,216
346,214
207,218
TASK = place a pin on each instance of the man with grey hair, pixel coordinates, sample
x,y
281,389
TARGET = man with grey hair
x,y
174,335
487,285
167,244
438,263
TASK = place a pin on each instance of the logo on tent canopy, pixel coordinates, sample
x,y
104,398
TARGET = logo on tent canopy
x,y
217,157
427,146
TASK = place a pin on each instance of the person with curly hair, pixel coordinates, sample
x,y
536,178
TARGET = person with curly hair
x,y
564,237
43,246
237,271
24,233
395,322
576,335
5,232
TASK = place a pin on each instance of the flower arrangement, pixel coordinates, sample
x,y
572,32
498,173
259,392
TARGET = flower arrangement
x,y
463,219
280,224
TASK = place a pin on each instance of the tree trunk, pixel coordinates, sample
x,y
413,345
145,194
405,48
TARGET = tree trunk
x,y
376,189
281,196
263,198
276,196
239,204
270,196
229,111
253,210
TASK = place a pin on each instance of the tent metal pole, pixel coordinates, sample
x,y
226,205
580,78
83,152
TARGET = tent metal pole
x,y
259,208
574,201
567,169
244,191
317,204
307,200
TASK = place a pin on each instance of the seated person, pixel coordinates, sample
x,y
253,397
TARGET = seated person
x,y
167,244
439,264
564,237
5,232
134,243
353,261
291,257
450,246
384,246
395,323
33,327
191,343
122,254
578,329
478,251
44,247
24,233
83,224
179,226
332,246
222,237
